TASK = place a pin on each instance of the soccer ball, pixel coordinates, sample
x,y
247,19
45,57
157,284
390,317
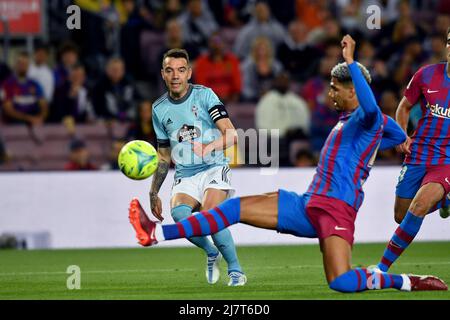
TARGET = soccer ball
x,y
138,160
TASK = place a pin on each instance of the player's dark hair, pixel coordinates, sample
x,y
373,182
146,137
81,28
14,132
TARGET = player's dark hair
x,y
77,66
68,46
23,54
176,53
342,73
42,46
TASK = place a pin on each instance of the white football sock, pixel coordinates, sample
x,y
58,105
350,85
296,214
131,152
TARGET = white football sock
x,y
406,286
159,234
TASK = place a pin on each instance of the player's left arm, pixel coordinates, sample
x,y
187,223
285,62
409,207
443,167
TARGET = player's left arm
x,y
228,138
363,91
219,116
393,134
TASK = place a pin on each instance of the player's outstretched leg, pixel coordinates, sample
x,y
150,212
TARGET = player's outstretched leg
x,y
427,196
259,211
361,279
213,258
340,276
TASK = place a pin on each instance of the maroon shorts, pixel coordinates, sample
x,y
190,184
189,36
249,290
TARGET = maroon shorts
x,y
438,174
331,217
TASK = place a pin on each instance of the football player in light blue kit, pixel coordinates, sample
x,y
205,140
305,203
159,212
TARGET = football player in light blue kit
x,y
193,128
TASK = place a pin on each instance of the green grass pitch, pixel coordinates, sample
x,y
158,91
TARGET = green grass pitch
x,y
274,272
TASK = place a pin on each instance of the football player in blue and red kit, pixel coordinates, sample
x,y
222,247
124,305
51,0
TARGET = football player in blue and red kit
x,y
23,98
424,182
328,209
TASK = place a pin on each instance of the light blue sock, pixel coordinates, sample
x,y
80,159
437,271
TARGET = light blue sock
x,y
224,242
183,211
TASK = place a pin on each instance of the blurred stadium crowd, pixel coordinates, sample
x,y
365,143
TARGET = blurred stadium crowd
x,y
80,95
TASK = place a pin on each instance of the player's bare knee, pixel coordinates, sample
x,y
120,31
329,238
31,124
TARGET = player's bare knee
x,y
207,205
420,207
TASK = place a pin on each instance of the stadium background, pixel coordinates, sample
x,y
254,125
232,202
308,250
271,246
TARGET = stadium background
x,y
269,75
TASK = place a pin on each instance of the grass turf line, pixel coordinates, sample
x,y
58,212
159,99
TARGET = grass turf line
x,y
274,272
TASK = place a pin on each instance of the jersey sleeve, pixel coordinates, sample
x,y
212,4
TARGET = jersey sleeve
x,y
414,88
39,90
366,99
161,134
215,107
7,91
393,134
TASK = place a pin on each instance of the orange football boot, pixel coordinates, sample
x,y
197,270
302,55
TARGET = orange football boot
x,y
144,227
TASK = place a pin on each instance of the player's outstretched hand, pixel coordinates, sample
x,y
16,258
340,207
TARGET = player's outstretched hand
x,y
156,206
348,48
405,146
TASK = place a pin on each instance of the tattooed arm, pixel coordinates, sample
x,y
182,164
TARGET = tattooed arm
x,y
158,179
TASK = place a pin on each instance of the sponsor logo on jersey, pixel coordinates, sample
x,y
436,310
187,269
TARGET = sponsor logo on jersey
x,y
25,100
439,111
188,133
169,121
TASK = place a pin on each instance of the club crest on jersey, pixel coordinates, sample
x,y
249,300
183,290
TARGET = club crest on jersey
x,y
195,111
439,111
188,133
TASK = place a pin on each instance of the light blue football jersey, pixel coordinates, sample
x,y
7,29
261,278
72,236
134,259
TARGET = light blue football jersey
x,y
178,122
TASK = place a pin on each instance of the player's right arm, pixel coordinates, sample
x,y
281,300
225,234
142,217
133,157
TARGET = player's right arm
x,y
163,165
363,91
402,117
158,179
412,94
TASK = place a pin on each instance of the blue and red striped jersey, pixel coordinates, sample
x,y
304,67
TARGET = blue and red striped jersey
x,y
24,95
430,86
351,147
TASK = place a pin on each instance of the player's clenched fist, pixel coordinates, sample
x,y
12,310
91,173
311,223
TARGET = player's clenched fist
x,y
404,147
348,48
